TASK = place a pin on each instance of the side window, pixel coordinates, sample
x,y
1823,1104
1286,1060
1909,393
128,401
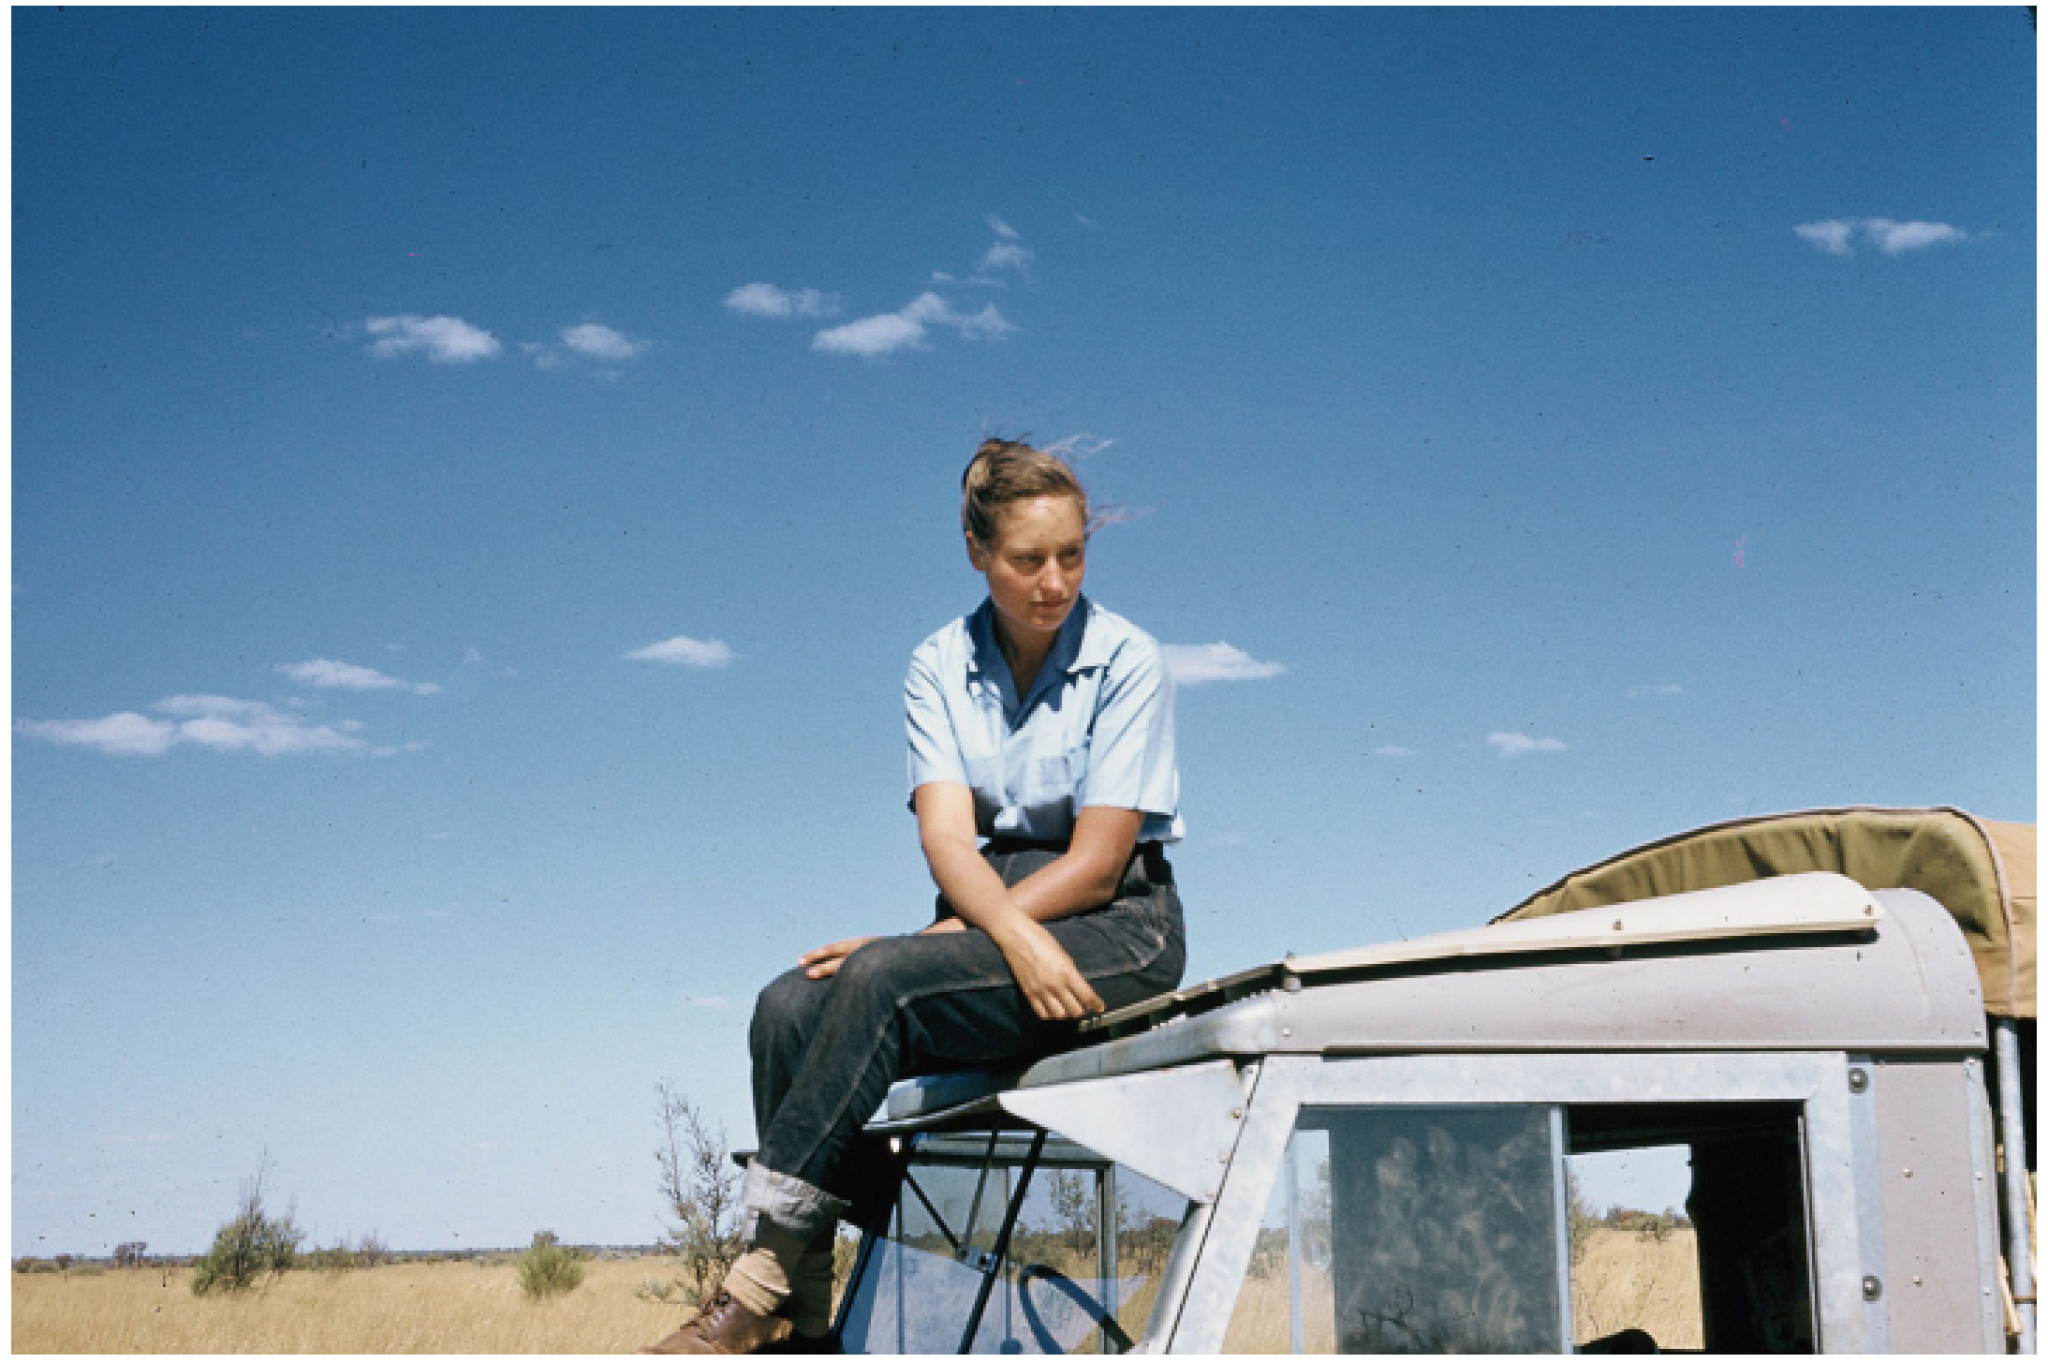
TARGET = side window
x,y
1598,1228
1412,1230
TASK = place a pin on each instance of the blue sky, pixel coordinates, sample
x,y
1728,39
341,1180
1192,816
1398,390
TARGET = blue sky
x,y
478,477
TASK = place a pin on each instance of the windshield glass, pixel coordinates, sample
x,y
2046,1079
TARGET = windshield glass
x,y
1035,1244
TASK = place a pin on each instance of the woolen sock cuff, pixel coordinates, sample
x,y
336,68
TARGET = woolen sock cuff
x,y
759,1282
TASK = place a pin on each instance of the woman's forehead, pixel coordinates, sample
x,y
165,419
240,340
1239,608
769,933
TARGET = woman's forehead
x,y
1050,519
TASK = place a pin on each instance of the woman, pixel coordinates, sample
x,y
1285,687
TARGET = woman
x,y
1044,724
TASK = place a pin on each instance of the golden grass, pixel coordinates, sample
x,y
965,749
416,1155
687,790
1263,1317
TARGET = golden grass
x,y
1629,1279
1626,1279
436,1308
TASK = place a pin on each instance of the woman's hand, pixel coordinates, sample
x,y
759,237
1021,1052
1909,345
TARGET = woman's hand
x,y
1054,988
824,963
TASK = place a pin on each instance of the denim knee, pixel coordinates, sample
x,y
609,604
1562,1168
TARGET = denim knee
x,y
781,1011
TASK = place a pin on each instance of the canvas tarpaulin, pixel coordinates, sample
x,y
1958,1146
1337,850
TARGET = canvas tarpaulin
x,y
1980,870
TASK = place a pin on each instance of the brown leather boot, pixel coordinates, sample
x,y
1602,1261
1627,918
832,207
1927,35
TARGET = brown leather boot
x,y
724,1327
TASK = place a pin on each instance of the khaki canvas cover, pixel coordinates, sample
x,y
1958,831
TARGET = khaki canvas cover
x,y
1980,870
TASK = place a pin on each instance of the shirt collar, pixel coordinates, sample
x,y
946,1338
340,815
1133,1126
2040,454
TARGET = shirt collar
x,y
1082,642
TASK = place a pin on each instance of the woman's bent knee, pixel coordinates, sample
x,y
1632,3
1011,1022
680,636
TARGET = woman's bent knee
x,y
785,1007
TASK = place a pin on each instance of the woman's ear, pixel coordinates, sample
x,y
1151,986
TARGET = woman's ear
x,y
976,553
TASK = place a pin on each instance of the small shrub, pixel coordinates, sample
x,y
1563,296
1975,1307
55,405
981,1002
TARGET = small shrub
x,y
252,1246
335,1259
548,1268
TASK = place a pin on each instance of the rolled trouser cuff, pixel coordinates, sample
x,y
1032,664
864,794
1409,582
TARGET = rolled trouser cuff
x,y
788,1204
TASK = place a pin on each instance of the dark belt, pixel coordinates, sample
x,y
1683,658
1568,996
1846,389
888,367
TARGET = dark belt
x,y
1150,855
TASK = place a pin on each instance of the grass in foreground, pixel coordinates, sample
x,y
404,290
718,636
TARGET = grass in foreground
x,y
438,1308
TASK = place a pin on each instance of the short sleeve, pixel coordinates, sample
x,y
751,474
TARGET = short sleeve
x,y
1131,744
934,747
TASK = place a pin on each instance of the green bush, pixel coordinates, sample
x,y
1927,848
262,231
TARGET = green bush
x,y
252,1246
548,1268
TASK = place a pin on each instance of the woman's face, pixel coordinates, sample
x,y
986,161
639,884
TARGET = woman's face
x,y
1034,567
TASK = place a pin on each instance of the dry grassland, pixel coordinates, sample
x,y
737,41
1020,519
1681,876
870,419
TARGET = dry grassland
x,y
434,1308
1626,1279
1630,1279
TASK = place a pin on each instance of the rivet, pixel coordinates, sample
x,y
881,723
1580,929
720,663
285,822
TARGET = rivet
x,y
1908,1172
1858,1081
1236,1114
1287,1031
1916,1280
1223,1158
1872,1288
1617,925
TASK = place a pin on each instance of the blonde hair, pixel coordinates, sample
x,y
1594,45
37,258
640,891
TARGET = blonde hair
x,y
1006,471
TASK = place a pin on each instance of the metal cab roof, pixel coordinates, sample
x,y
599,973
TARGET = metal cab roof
x,y
1803,962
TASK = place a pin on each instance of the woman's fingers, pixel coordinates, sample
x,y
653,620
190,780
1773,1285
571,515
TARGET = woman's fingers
x,y
824,963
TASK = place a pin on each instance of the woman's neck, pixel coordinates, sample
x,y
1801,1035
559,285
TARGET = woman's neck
x,y
1025,656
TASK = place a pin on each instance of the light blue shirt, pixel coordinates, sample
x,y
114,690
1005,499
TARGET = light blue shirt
x,y
1097,728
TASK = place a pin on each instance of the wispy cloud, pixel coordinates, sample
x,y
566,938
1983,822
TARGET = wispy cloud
x,y
766,300
1659,689
1006,255
444,340
905,329
683,651
1521,745
1000,228
1196,664
600,342
218,723
1838,236
349,677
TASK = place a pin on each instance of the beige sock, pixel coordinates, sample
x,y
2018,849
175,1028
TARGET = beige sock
x,y
764,1276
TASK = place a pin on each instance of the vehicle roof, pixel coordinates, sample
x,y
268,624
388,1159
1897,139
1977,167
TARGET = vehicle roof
x,y
1982,871
1804,962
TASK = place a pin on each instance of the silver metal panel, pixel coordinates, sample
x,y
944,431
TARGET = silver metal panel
x,y
1909,985
1834,1224
1233,1229
1983,1177
1864,1081
1935,1274
1810,901
1176,1127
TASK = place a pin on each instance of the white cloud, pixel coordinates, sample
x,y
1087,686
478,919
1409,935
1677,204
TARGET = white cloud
x,y
871,336
685,651
601,342
1195,664
1006,255
765,300
445,340
349,677
1001,228
219,723
1836,236
1894,237
889,332
1519,745
126,734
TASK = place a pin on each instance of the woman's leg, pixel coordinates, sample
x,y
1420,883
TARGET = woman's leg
x,y
826,1052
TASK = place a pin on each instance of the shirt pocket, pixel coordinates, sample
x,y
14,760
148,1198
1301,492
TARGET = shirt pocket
x,y
1061,777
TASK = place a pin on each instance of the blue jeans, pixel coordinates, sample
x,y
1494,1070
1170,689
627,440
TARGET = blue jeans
x,y
826,1051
